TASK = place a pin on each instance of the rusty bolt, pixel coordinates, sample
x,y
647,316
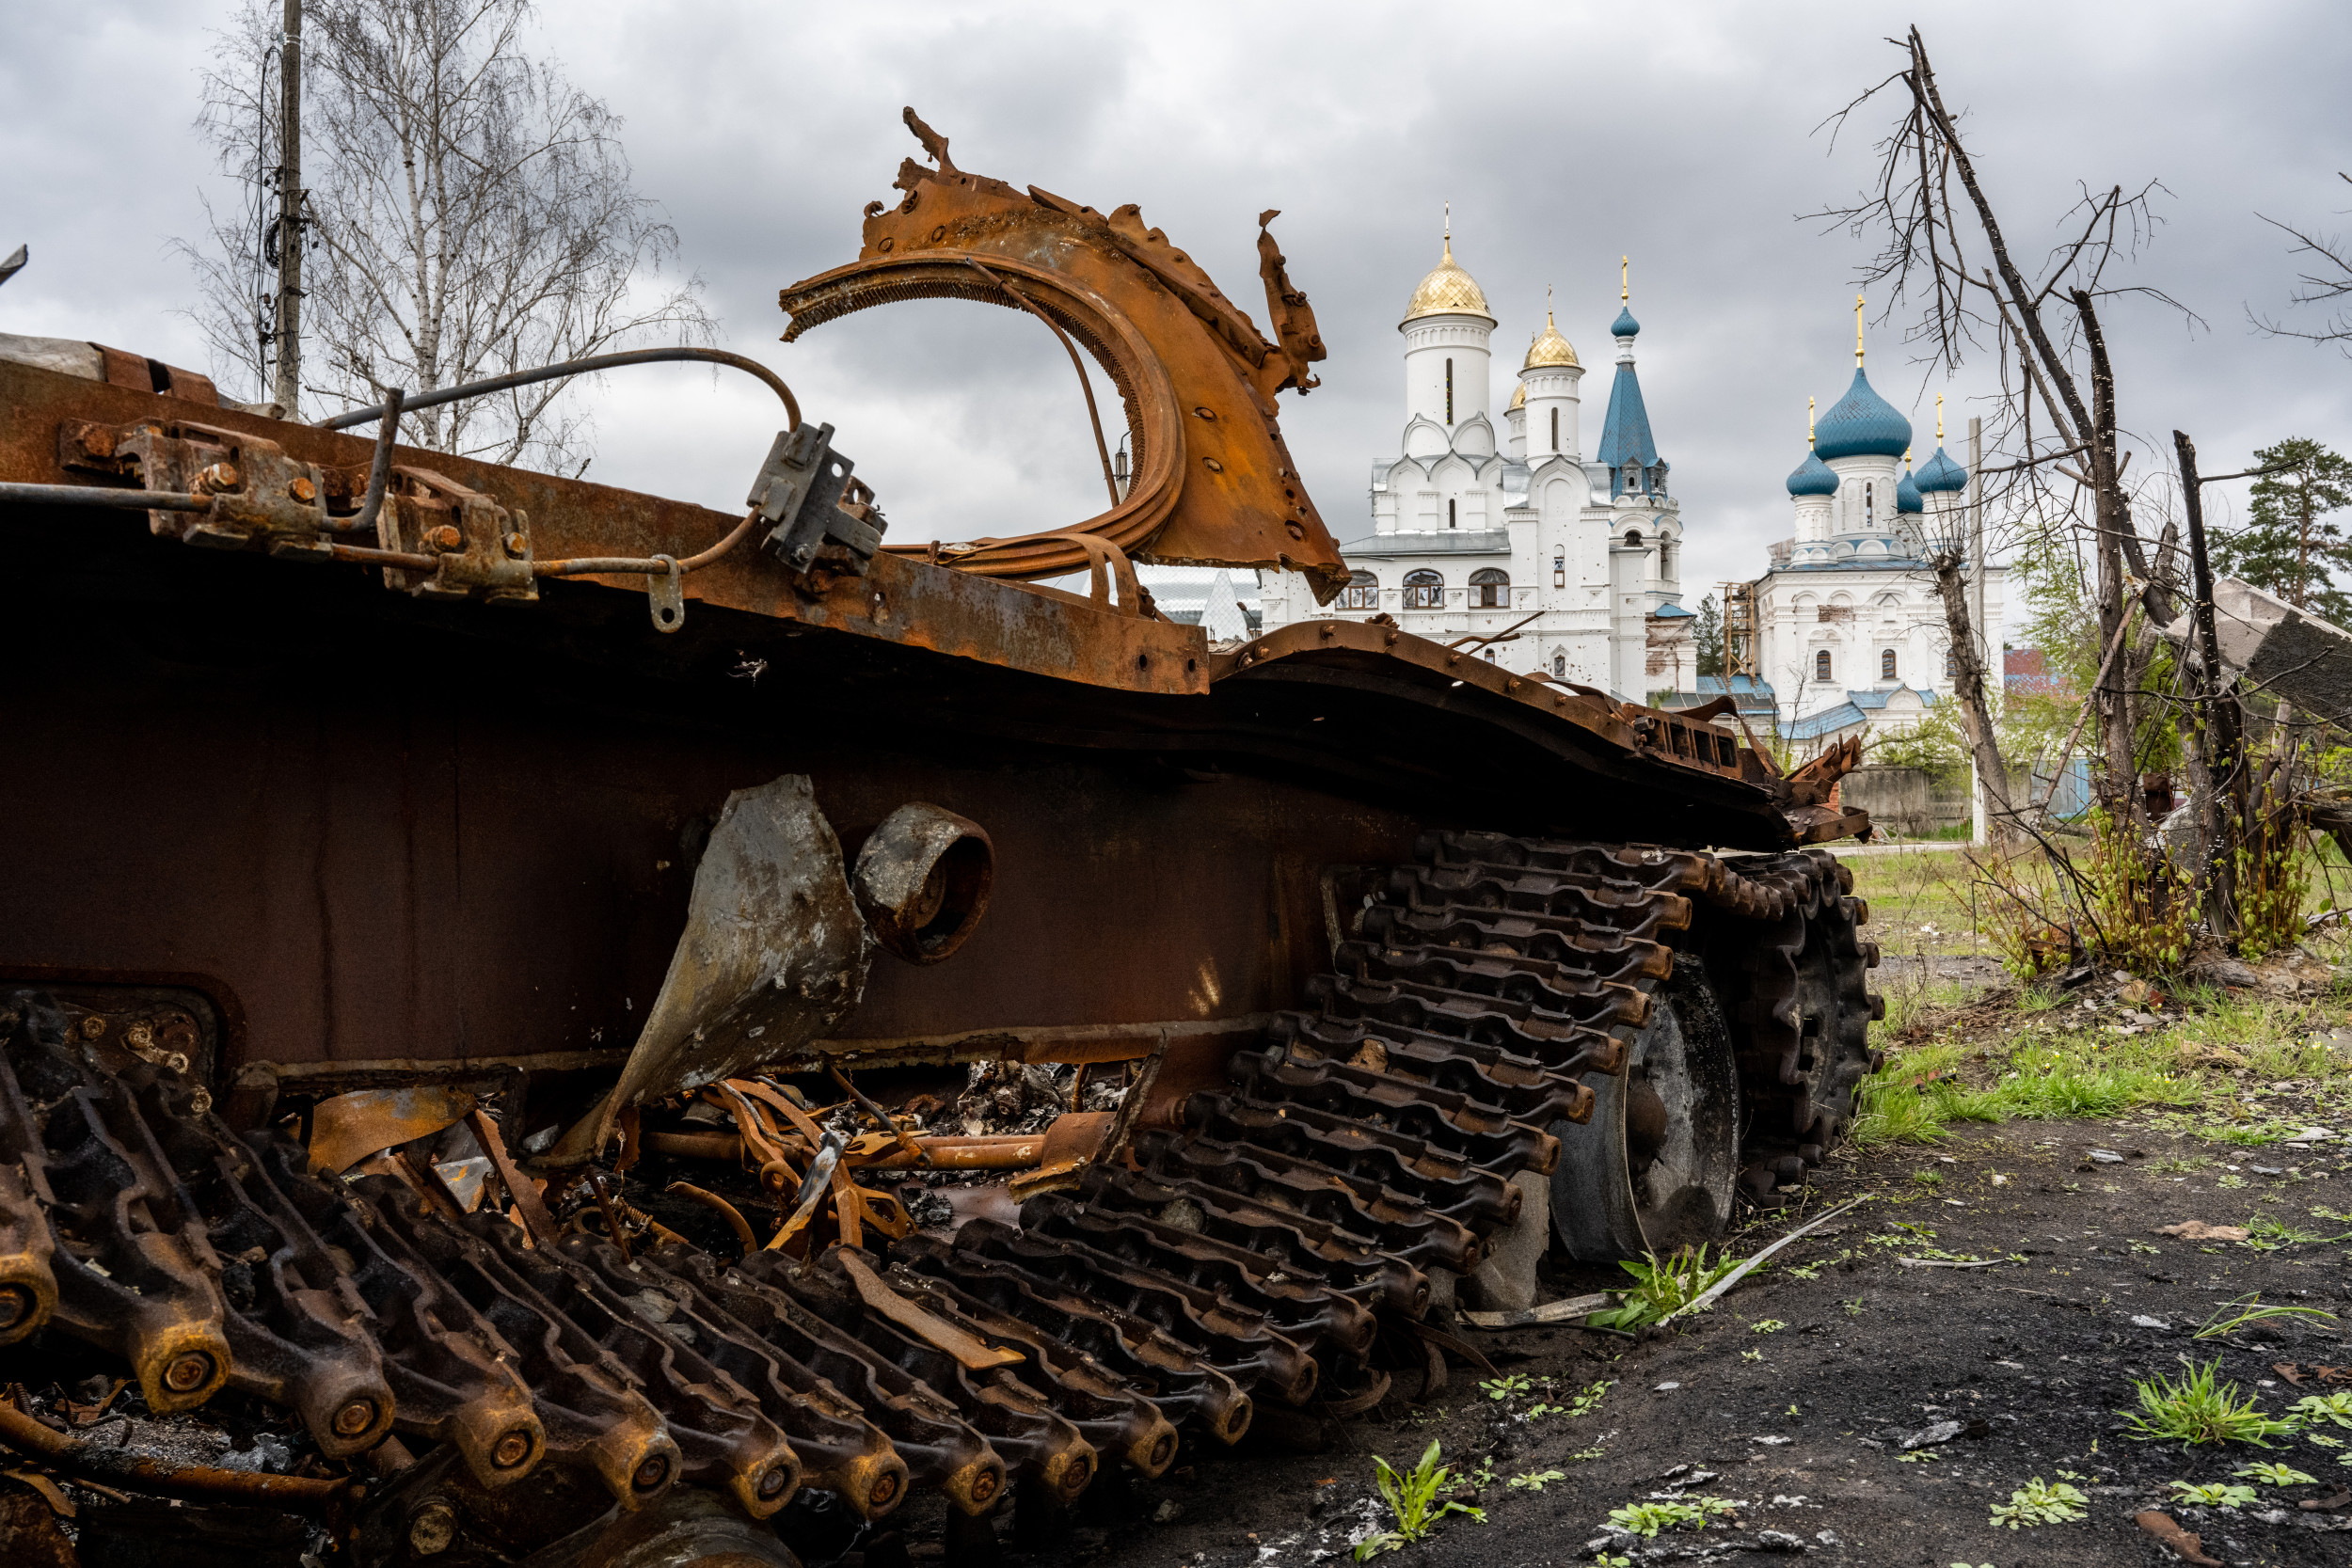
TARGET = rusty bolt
x,y
652,1473
189,1370
355,1417
511,1450
518,544
884,1490
983,1488
93,1026
98,442
303,491
200,1101
433,1528
15,1303
445,537
139,1037
221,476
773,1483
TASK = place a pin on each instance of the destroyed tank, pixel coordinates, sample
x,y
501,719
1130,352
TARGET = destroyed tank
x,y
490,962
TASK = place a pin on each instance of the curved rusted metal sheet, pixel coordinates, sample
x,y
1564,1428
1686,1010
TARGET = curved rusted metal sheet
x,y
1214,482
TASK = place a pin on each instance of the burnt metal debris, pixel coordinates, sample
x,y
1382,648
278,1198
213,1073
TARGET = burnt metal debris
x,y
602,1095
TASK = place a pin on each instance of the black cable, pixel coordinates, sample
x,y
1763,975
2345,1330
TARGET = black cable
x,y
577,367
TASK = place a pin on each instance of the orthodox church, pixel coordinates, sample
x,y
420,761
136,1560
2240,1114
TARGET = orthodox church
x,y
1479,532
1850,636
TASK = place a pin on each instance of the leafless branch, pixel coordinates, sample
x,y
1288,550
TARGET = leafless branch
x,y
472,213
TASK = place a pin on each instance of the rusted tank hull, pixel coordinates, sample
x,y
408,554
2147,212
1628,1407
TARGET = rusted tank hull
x,y
380,830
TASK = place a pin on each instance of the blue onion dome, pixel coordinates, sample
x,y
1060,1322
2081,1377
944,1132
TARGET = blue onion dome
x,y
1907,497
1625,325
1862,423
1940,473
1813,478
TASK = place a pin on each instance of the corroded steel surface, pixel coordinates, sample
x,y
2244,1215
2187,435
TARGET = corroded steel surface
x,y
1214,482
1272,1217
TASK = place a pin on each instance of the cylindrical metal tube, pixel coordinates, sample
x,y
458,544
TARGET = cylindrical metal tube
x,y
97,495
161,1478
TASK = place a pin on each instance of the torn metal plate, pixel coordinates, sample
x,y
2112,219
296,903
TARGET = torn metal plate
x,y
775,955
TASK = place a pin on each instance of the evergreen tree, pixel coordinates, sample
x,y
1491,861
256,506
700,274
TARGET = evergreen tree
x,y
1707,637
2288,545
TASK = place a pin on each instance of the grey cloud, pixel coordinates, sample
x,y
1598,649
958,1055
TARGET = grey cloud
x,y
1564,136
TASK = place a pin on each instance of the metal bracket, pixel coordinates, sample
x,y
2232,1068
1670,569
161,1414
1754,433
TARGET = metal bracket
x,y
665,595
262,499
797,494
483,550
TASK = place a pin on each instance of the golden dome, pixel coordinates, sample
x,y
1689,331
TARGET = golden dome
x,y
1448,290
1550,348
1519,398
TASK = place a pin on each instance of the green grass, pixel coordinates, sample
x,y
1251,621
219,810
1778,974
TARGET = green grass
x,y
1664,1286
2198,1408
2249,1310
1413,1505
1919,901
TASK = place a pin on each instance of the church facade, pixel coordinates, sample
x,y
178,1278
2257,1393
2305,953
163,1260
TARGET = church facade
x,y
1851,635
1481,532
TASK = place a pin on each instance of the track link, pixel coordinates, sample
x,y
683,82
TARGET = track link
x,y
1245,1253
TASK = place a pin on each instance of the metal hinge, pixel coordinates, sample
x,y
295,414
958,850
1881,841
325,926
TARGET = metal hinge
x,y
482,551
262,499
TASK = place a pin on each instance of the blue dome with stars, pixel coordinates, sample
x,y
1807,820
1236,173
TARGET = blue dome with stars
x,y
1813,478
1862,423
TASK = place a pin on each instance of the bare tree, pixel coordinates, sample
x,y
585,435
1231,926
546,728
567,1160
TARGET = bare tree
x,y
469,213
2329,282
2051,324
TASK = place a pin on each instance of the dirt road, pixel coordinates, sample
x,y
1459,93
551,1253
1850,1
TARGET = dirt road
x,y
1795,1399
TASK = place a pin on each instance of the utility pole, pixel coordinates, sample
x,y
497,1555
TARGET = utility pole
x,y
1978,826
288,392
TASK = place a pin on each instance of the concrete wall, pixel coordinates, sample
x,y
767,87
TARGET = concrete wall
x,y
1908,802
1911,803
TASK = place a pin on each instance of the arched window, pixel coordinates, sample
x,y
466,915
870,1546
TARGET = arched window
x,y
1559,568
1560,667
1491,655
1449,391
1424,591
1448,512
1634,539
1490,588
1886,664
1869,503
1555,430
1821,665
1950,672
1361,593
1666,559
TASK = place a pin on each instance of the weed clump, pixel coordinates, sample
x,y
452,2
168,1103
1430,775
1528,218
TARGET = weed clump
x,y
2039,1502
1663,1286
2199,1408
1412,1499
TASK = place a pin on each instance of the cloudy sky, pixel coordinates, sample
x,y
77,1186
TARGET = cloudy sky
x,y
1563,136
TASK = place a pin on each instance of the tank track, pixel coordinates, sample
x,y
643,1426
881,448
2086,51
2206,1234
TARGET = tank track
x,y
1248,1251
